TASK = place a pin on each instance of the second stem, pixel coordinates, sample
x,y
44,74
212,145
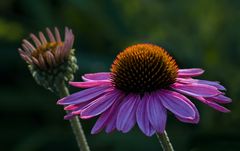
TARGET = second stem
x,y
165,142
75,123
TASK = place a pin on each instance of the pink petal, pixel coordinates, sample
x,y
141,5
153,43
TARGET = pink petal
x,y
111,126
96,76
206,82
99,105
157,114
193,121
101,122
71,107
81,107
218,107
190,72
108,118
187,120
177,104
220,99
142,117
213,105
212,83
69,116
84,95
126,116
186,80
196,89
90,84
74,107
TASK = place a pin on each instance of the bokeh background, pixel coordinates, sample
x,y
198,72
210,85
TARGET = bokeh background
x,y
199,33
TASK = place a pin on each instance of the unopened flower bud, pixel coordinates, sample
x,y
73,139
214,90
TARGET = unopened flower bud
x,y
50,59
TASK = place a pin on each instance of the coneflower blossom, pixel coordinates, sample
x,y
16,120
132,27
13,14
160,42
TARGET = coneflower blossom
x,y
144,83
50,59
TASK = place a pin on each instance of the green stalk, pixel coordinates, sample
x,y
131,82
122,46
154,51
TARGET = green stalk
x,y
164,141
75,123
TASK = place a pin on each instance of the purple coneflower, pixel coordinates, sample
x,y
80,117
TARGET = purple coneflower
x,y
50,58
144,83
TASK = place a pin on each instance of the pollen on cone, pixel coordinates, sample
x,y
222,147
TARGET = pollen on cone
x,y
143,68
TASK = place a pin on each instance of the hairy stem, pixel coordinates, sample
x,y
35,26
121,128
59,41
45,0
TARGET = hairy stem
x,y
75,123
164,141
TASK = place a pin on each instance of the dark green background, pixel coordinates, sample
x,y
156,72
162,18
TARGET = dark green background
x,y
201,33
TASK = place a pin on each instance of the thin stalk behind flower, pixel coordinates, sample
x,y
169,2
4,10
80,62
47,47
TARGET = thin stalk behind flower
x,y
165,141
75,123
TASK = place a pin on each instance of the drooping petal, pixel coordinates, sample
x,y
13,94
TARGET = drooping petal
x,y
108,118
75,107
111,126
213,105
99,105
206,82
84,95
70,107
193,121
96,76
196,89
101,122
187,120
192,72
126,117
69,116
157,114
142,117
90,84
220,99
218,107
177,104
212,83
185,80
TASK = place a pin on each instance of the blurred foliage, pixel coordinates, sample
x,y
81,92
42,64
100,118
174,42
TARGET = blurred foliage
x,y
198,33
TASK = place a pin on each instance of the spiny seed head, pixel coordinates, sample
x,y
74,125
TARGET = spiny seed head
x,y
143,68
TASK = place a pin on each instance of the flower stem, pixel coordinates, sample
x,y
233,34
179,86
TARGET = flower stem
x,y
75,123
165,142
